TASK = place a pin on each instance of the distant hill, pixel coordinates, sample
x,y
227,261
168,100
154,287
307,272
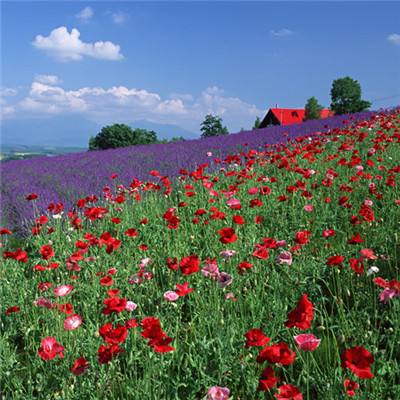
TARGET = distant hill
x,y
72,131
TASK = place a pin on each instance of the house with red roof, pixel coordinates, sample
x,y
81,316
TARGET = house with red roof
x,y
289,116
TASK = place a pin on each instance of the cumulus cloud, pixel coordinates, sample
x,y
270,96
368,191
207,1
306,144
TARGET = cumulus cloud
x,y
85,14
48,79
124,104
281,32
394,38
65,46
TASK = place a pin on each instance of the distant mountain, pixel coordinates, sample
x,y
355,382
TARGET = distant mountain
x,y
71,131
164,131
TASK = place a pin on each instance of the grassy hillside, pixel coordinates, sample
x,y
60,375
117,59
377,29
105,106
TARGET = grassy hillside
x,y
204,286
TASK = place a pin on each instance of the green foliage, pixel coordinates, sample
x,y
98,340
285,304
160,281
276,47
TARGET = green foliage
x,y
257,123
312,109
121,135
346,96
212,126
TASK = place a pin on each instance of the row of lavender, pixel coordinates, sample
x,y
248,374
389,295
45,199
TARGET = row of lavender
x,y
66,178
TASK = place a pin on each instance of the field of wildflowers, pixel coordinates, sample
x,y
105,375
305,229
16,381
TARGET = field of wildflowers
x,y
268,271
66,178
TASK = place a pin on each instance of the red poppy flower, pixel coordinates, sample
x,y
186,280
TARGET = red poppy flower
x,y
350,387
5,231
18,255
49,349
31,196
261,252
238,219
277,353
256,337
244,265
288,392
114,304
190,264
302,237
358,360
267,380
183,290
161,344
357,265
12,309
131,323
172,263
227,235
151,328
106,353
106,281
302,315
335,260
131,232
113,335
80,366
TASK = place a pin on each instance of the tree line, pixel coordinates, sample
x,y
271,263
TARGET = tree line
x,y
345,99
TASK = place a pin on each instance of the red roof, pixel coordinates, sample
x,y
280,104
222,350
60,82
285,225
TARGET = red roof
x,y
288,116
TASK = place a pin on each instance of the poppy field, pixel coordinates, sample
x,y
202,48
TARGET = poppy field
x,y
269,272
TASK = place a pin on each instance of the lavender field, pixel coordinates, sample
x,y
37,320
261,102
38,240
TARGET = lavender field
x,y
66,178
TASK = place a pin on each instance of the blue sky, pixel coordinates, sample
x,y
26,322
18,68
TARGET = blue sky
x,y
172,63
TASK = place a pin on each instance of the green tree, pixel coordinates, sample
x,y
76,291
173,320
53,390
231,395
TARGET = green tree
x,y
312,109
121,135
212,126
143,136
111,137
346,96
257,123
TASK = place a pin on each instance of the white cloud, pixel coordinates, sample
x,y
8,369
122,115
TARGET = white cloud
x,y
281,32
394,38
48,79
65,46
6,92
124,104
119,17
85,14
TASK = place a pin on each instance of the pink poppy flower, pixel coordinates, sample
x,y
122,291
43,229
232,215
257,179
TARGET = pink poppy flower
x,y
285,258
233,202
63,290
227,253
170,295
224,279
308,208
218,393
130,306
49,349
307,341
210,270
388,294
72,322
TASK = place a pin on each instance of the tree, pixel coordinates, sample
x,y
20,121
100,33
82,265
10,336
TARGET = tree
x,y
346,96
121,135
111,137
312,109
257,123
212,126
143,136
